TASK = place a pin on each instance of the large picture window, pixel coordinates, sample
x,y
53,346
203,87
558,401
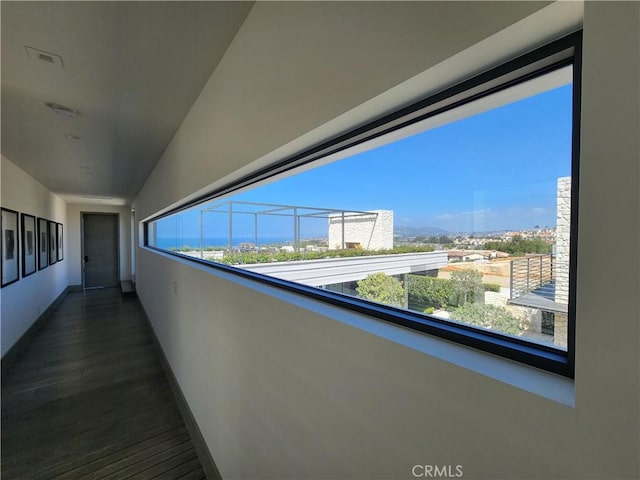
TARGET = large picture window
x,y
455,216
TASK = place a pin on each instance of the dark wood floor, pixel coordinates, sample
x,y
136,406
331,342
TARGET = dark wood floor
x,y
88,399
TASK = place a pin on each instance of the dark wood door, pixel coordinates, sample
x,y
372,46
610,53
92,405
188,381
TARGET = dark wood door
x,y
100,250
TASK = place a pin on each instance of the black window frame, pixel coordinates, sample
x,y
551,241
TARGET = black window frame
x,y
552,56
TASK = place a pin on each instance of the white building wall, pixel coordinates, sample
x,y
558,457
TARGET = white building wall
x,y
279,385
371,232
24,301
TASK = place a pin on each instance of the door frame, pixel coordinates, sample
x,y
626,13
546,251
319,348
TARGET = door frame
x,y
82,262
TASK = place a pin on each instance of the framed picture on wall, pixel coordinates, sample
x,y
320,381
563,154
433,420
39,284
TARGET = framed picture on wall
x,y
53,248
9,251
29,247
59,242
43,243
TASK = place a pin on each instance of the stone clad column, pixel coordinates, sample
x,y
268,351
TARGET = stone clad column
x,y
371,232
563,229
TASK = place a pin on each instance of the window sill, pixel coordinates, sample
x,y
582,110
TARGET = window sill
x,y
533,380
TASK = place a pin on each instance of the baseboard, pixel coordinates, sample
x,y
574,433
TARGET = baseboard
x,y
14,352
208,464
75,289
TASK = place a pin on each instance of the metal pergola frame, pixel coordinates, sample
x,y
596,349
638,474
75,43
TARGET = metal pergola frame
x,y
297,212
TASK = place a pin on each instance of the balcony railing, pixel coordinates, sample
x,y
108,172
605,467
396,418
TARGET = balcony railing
x,y
533,274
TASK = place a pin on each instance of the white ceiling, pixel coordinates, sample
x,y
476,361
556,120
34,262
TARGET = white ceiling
x,y
131,69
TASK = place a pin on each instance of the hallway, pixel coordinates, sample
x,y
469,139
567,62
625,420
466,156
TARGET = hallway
x,y
88,399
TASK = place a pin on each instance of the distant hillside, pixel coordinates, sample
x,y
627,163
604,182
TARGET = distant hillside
x,y
418,231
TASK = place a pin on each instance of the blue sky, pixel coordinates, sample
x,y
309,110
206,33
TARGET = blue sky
x,y
492,171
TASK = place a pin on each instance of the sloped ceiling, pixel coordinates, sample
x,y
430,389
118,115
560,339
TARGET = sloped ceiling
x,y
131,70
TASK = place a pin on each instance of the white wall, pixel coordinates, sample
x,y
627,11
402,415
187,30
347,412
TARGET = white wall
x,y
74,214
23,302
283,390
294,66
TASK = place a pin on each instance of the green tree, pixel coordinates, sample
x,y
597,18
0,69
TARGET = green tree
x,y
487,316
467,287
444,239
518,246
429,292
381,288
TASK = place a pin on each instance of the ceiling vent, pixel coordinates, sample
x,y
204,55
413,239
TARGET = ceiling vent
x,y
61,110
45,57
